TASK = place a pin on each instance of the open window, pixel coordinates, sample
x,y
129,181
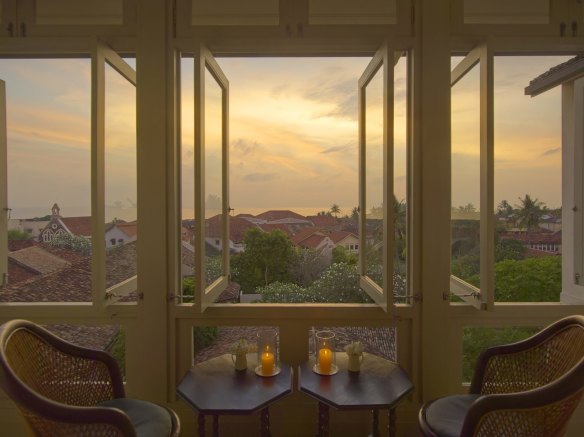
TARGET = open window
x,y
376,178
472,170
3,190
211,154
114,191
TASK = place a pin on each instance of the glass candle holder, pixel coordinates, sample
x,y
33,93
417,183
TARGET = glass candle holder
x,y
325,356
268,356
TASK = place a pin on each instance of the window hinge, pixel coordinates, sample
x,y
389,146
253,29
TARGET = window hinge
x,y
141,295
110,295
4,279
10,29
577,278
22,29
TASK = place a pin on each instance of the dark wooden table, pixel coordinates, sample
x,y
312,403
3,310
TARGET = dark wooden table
x,y
214,387
380,384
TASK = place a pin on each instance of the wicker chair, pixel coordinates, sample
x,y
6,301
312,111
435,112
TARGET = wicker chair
x,y
529,388
66,390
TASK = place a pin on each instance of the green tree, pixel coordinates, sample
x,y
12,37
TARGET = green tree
x,y
342,255
529,212
504,209
355,213
529,280
509,249
266,258
72,242
306,265
15,234
335,209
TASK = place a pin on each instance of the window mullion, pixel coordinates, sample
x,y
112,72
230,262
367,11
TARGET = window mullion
x,y
3,189
98,174
487,159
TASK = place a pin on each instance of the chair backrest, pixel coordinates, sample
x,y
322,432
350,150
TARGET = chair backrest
x,y
550,354
49,379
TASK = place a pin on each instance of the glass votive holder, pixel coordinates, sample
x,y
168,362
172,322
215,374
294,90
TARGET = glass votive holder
x,y
325,356
268,356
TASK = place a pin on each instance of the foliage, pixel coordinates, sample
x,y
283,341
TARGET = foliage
x,y
529,280
203,336
342,255
509,249
213,268
188,289
72,242
476,340
335,209
117,349
529,212
306,266
16,234
266,258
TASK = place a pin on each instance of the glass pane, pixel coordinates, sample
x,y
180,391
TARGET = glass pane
x,y
49,179
400,181
213,179
528,183
374,157
465,155
477,339
187,179
121,230
377,341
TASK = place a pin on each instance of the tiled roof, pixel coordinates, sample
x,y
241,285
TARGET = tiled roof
x,y
313,241
278,214
303,234
237,228
130,228
269,227
18,273
73,284
537,237
78,225
38,260
338,236
322,220
93,337
14,245
230,294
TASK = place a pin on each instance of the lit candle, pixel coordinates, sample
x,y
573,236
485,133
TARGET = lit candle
x,y
267,362
325,360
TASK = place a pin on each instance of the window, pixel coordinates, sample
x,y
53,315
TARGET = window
x,y
277,159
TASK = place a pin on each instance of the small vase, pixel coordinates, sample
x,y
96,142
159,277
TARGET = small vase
x,y
354,362
239,361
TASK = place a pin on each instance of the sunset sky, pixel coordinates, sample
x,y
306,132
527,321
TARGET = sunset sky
x,y
293,135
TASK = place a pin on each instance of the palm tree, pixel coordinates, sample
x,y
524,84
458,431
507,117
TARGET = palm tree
x,y
504,209
355,213
529,212
335,209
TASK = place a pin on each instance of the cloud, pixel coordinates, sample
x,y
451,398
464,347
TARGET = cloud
x,y
245,147
341,93
551,152
260,177
335,149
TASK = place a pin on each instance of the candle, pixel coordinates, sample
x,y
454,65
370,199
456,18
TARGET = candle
x,y
325,360
267,363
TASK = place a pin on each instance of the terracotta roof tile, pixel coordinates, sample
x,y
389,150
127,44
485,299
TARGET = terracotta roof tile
x,y
78,225
303,234
38,260
279,214
269,227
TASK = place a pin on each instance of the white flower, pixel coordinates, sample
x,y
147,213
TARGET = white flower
x,y
240,347
354,348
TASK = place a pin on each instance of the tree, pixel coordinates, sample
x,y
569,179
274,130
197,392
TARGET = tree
x,y
355,213
504,209
509,249
307,265
529,280
16,234
266,258
529,212
335,209
72,242
469,207
342,255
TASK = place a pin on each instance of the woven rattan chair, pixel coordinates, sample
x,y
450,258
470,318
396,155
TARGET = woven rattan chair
x,y
529,388
66,390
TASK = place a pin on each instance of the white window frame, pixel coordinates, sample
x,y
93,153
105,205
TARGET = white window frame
x,y
4,211
204,61
482,298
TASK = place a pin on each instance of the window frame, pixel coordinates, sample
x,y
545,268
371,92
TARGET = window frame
x,y
4,210
482,298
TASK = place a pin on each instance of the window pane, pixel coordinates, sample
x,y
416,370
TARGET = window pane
x,y
49,179
374,157
187,179
121,230
465,161
400,181
213,179
528,183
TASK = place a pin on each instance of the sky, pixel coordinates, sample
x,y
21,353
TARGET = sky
x,y
293,135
